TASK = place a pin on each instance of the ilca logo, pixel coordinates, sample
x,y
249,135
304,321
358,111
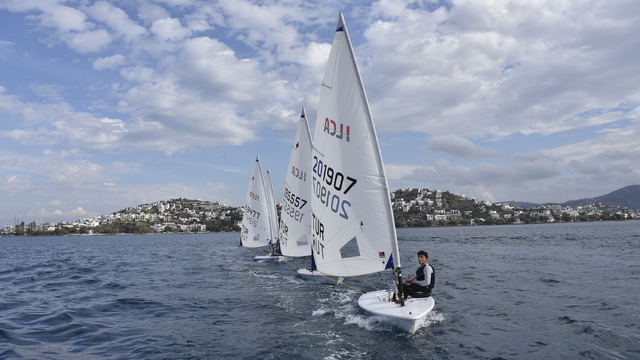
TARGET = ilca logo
x,y
340,131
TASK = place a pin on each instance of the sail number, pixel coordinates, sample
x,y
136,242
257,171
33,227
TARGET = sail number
x,y
294,213
252,215
293,199
331,177
329,200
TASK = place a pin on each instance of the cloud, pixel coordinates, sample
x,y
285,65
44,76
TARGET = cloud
x,y
63,19
117,19
615,144
110,62
397,171
43,213
528,68
460,147
89,41
169,29
585,168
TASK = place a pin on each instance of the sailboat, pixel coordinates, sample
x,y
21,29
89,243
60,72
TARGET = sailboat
x,y
295,222
353,231
275,254
256,227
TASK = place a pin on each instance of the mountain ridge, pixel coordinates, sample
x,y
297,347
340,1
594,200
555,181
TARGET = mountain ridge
x,y
628,196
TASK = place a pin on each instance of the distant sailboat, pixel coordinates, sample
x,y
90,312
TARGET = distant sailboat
x,y
295,223
353,230
256,226
295,218
275,254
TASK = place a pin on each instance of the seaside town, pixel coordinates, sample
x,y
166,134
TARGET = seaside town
x,y
412,207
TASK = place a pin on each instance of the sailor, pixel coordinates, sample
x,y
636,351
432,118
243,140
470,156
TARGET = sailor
x,y
424,281
275,249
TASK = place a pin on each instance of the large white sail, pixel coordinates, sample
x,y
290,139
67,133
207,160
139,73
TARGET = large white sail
x,y
295,223
256,229
353,231
273,213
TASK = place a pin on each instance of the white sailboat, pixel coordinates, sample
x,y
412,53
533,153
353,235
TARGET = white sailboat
x,y
256,227
353,230
295,223
275,254
295,218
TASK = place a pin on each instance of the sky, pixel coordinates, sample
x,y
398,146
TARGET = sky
x,y
114,103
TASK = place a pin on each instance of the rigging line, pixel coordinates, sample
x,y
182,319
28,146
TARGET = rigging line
x,y
349,286
339,282
295,267
370,284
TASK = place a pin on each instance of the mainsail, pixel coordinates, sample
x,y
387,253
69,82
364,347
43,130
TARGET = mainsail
x,y
295,223
256,227
353,230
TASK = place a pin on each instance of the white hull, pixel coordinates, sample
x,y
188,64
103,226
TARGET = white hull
x,y
318,276
273,258
408,318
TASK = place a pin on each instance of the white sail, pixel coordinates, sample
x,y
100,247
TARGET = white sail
x,y
295,223
353,230
256,227
273,213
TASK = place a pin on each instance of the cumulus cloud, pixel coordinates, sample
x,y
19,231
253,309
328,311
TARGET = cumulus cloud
x,y
460,147
89,41
169,30
117,19
497,70
110,62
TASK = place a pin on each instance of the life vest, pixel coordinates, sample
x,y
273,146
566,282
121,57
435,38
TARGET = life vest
x,y
420,275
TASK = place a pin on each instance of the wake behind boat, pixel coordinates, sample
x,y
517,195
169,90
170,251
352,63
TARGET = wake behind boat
x,y
353,230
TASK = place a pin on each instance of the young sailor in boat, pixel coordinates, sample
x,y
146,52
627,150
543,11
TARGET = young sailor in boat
x,y
275,249
424,281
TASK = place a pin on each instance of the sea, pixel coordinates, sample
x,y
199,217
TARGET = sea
x,y
546,291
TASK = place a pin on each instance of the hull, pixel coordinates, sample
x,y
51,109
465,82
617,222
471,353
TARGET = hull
x,y
272,258
318,276
407,318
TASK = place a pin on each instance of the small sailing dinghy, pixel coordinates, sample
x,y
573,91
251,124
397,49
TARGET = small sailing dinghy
x,y
275,254
295,217
295,222
353,230
256,223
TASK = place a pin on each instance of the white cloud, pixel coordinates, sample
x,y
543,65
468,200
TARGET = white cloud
x,y
169,29
110,62
117,19
511,67
151,12
138,73
89,41
64,19
460,147
398,171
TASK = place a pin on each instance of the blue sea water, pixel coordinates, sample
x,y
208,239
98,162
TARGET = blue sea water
x,y
552,291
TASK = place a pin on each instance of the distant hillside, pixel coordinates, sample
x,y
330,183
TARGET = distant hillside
x,y
628,196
